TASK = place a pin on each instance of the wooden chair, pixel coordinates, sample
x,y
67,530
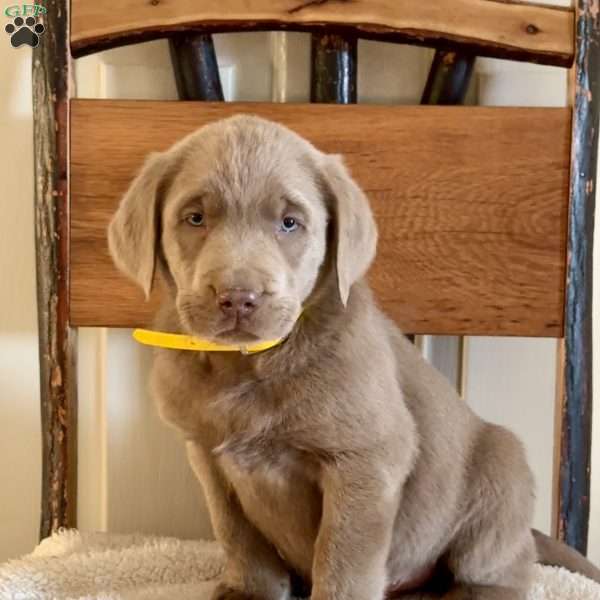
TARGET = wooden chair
x,y
486,214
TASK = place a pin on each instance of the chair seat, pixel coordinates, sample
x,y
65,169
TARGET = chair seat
x,y
104,566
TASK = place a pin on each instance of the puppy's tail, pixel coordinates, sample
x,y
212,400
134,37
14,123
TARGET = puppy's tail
x,y
556,554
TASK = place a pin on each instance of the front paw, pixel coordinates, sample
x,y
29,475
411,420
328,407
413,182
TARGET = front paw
x,y
224,592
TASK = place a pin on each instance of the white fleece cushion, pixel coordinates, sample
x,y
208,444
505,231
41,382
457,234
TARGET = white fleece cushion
x,y
75,566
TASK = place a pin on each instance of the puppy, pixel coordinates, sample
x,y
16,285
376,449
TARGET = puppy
x,y
339,457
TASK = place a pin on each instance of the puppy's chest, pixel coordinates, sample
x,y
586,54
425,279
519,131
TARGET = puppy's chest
x,y
275,466
280,495
256,427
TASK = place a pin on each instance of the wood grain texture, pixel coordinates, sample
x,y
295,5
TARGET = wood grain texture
x,y
501,29
447,85
576,438
471,211
57,341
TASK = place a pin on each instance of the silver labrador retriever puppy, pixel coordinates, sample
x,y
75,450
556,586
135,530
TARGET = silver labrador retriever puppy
x,y
339,455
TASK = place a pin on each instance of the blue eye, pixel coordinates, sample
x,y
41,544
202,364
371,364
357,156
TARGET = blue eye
x,y
195,219
289,224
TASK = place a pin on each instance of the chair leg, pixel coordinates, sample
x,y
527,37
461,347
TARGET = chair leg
x,y
573,507
57,340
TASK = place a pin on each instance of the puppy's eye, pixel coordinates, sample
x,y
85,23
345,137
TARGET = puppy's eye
x,y
289,224
195,219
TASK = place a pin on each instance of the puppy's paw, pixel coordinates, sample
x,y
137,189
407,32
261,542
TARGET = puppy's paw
x,y
224,592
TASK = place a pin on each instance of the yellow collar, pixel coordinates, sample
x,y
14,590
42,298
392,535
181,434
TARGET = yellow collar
x,y
177,341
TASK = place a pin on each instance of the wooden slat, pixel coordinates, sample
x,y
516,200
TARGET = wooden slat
x,y
195,67
449,78
471,204
576,434
447,85
57,340
333,73
498,28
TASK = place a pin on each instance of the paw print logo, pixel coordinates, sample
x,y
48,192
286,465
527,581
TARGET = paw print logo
x,y
24,31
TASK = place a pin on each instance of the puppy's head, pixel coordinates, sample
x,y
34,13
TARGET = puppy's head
x,y
239,216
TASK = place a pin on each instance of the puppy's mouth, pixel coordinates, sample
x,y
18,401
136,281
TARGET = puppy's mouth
x,y
266,324
236,335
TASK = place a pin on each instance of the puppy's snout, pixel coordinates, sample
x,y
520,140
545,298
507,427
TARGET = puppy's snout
x,y
238,302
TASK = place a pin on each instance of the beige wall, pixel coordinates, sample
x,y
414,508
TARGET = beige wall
x,y
19,387
127,457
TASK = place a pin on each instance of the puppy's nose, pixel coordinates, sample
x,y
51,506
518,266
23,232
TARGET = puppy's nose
x,y
238,302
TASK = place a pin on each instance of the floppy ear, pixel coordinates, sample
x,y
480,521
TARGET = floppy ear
x,y
134,229
356,231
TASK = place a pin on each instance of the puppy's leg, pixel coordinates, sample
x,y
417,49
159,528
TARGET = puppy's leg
x,y
254,570
360,501
493,554
481,572
509,583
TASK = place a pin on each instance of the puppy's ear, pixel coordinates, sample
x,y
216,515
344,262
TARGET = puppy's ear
x,y
134,229
355,228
